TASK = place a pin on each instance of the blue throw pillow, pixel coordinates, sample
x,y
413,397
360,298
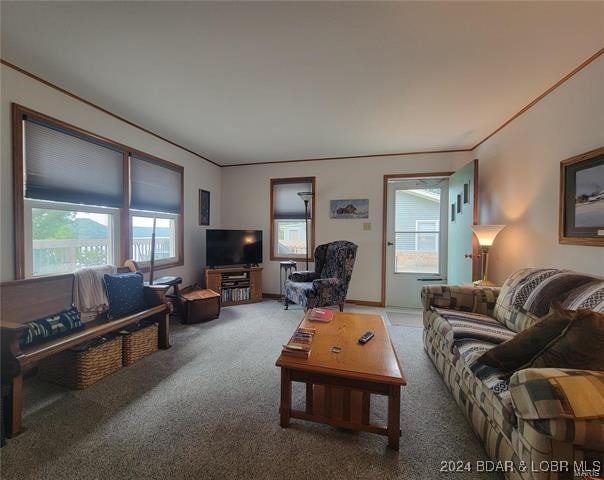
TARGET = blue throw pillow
x,y
56,325
124,293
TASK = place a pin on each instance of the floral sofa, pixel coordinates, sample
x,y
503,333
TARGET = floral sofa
x,y
328,284
538,418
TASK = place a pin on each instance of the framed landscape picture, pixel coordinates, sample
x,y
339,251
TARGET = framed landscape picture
x,y
204,207
355,208
582,199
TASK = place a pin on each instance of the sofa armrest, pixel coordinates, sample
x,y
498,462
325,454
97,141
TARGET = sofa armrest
x,y
466,298
303,276
325,283
564,404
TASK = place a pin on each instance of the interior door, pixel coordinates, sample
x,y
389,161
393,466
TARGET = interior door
x,y
462,214
416,239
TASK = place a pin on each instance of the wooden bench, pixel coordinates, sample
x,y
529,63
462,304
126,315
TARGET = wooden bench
x,y
22,301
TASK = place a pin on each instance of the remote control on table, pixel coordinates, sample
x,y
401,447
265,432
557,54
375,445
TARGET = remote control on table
x,y
366,337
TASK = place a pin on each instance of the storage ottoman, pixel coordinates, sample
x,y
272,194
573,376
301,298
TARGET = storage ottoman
x,y
200,305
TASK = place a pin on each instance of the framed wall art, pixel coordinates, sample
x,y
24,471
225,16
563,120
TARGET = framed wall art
x,y
204,207
582,199
355,208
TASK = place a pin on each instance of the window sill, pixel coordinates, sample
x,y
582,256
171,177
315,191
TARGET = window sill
x,y
294,258
161,266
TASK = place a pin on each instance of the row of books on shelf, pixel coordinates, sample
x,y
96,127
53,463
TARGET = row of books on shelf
x,y
235,294
299,343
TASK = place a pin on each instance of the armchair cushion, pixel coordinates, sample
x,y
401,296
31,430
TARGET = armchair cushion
x,y
125,293
303,276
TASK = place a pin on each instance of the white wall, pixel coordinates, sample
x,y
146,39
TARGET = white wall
x,y
246,203
519,176
28,92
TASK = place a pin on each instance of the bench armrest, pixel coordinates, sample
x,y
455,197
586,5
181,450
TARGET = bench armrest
x,y
466,298
304,276
564,404
10,334
155,294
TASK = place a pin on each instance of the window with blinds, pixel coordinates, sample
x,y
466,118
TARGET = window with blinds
x,y
288,218
87,200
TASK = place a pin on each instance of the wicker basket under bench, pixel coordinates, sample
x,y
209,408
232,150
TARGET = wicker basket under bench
x,y
138,344
84,365
22,301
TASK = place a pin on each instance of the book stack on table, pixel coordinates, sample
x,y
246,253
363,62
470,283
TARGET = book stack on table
x,y
324,315
299,343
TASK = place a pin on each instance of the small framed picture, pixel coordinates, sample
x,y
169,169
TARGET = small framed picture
x,y
452,212
466,193
204,207
582,199
458,203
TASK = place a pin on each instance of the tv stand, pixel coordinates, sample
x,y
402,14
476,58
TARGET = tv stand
x,y
236,285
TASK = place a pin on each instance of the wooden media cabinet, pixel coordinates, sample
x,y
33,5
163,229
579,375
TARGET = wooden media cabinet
x,y
236,285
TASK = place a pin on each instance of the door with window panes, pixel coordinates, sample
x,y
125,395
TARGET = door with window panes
x,y
416,238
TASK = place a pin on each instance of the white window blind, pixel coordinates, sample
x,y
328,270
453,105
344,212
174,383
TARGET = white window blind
x,y
287,204
155,186
62,166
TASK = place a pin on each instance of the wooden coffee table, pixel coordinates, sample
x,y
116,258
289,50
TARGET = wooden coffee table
x,y
339,385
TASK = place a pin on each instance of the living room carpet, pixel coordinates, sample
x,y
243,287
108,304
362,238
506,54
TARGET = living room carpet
x,y
208,409
405,317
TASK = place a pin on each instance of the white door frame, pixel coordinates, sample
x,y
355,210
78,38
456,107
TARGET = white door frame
x,y
388,177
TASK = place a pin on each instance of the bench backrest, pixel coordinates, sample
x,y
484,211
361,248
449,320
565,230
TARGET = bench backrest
x,y
22,301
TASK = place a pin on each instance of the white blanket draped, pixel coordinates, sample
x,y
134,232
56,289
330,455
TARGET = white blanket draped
x,y
89,291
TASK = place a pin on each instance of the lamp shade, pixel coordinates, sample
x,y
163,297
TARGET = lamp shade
x,y
486,234
305,196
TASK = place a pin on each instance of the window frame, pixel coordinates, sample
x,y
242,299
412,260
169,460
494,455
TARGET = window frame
x,y
274,234
159,215
123,247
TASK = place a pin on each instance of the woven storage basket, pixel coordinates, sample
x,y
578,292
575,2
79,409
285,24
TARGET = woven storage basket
x,y
139,344
82,368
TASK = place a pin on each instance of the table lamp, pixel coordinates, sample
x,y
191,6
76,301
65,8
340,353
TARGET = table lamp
x,y
486,235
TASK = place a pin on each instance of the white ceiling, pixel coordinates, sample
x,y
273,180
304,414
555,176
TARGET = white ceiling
x,y
256,82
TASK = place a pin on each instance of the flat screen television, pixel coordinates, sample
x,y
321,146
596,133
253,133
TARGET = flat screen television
x,y
233,247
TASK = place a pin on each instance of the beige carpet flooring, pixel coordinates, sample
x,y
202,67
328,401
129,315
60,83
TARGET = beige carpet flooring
x,y
208,409
402,317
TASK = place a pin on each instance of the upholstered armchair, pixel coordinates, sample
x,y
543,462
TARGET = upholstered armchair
x,y
328,284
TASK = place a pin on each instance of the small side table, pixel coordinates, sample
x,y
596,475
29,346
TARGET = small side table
x,y
286,268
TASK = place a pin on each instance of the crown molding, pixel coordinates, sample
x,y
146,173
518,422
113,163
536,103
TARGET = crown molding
x,y
591,59
104,110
